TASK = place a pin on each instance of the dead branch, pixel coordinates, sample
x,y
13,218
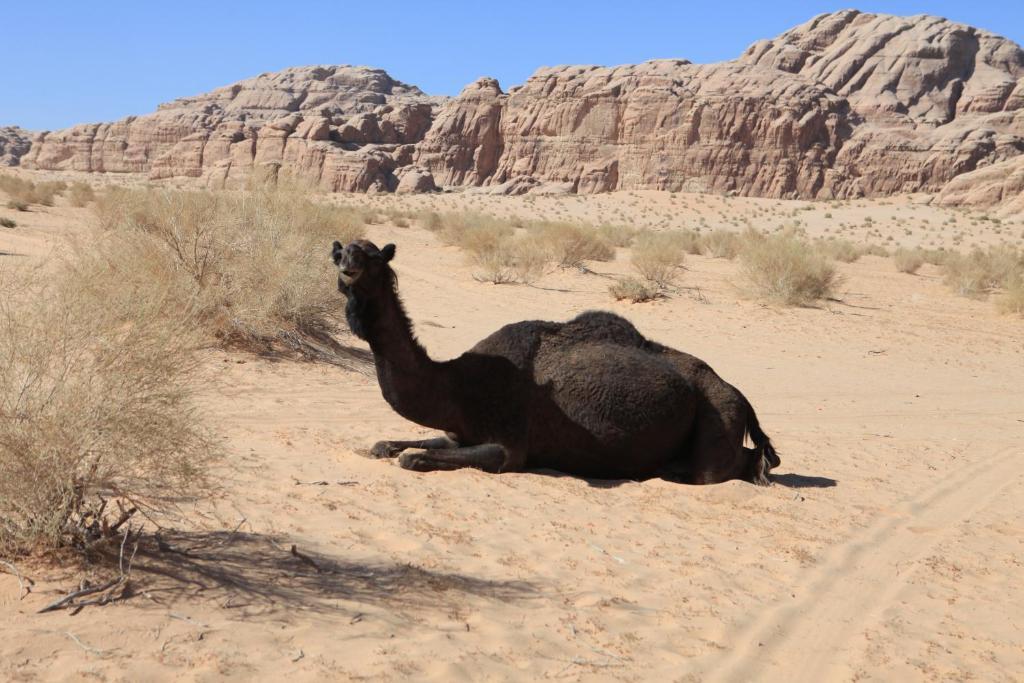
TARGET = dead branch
x,y
22,580
306,558
68,599
82,645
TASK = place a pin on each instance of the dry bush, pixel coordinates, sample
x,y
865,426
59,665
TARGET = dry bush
x,y
254,262
510,259
784,268
658,255
635,290
874,250
977,273
1012,300
8,223
908,260
22,193
96,402
473,232
81,194
841,250
617,235
571,244
430,220
721,244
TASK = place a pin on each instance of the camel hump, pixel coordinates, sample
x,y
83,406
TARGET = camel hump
x,y
601,326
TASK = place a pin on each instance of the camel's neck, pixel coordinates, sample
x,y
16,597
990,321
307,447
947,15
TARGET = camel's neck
x,y
417,387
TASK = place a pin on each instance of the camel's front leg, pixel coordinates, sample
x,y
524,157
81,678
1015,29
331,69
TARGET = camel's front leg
x,y
389,449
489,457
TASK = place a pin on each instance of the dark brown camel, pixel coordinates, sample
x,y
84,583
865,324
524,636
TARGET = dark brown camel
x,y
590,397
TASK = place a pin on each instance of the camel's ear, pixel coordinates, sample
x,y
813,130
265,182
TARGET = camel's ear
x,y
336,250
388,252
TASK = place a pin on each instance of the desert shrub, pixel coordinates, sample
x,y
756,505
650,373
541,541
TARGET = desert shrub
x,y
721,244
874,250
25,192
510,259
841,250
658,255
17,205
255,262
81,194
908,260
96,402
8,223
1012,300
430,220
977,273
635,290
473,231
786,269
571,244
616,234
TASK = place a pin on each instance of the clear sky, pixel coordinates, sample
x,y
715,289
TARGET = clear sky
x,y
72,61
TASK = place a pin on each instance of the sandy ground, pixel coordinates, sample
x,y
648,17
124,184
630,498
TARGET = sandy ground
x,y
890,548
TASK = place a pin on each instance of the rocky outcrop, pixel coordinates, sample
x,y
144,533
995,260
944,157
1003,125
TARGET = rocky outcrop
x,y
664,125
848,104
14,144
930,99
343,128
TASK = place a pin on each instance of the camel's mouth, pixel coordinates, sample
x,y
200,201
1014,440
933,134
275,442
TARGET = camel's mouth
x,y
348,276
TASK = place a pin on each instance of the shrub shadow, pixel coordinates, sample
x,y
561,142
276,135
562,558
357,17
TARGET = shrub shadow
x,y
244,569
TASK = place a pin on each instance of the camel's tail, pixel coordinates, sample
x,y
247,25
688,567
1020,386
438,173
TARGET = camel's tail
x,y
765,457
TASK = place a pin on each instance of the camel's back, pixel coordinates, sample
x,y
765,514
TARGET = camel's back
x,y
520,342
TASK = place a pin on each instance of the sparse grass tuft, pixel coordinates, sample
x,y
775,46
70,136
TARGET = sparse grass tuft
x,y
840,250
908,260
721,244
617,235
658,255
786,269
22,193
81,194
571,244
1012,300
975,274
635,290
8,223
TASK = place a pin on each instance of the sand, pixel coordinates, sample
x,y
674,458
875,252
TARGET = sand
x,y
891,546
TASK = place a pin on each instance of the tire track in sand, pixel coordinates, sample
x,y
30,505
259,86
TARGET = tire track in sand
x,y
816,637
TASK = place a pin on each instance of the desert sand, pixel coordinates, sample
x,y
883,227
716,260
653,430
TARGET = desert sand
x,y
891,546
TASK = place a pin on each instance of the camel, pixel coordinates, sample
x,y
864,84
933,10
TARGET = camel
x,y
590,397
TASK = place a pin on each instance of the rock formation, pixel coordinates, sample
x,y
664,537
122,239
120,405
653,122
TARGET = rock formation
x,y
14,144
346,128
848,104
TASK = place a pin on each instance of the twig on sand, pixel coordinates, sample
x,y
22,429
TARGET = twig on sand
x,y
22,580
305,558
82,645
68,601
323,482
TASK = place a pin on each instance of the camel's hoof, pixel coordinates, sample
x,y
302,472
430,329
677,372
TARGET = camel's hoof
x,y
413,461
384,449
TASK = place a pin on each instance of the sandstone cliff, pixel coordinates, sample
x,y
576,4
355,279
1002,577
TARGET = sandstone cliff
x,y
347,128
847,104
14,144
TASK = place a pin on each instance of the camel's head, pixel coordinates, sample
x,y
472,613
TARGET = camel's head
x,y
361,261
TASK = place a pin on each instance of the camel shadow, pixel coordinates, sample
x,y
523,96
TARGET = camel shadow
x,y
258,571
801,481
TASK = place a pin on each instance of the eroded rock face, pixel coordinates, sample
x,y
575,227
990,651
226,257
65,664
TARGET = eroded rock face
x,y
664,125
14,144
343,128
847,104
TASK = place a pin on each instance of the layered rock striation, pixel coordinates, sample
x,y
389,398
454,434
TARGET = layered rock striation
x,y
848,104
14,144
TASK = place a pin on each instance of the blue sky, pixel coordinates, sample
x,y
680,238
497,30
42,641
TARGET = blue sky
x,y
67,62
